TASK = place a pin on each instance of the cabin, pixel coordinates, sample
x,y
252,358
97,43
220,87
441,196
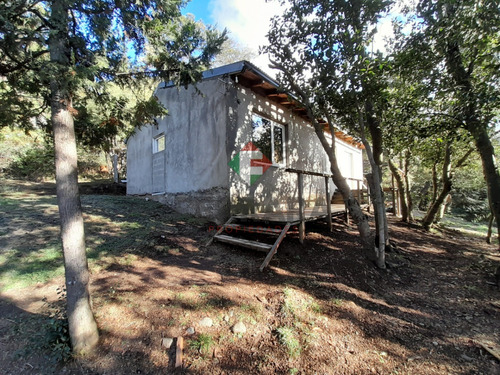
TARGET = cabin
x,y
235,145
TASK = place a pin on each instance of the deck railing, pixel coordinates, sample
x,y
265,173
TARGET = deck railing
x,y
300,178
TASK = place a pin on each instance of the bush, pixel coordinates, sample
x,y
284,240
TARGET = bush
x,y
472,205
37,164
34,164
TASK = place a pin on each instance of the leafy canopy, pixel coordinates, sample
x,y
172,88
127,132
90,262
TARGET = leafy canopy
x,y
105,40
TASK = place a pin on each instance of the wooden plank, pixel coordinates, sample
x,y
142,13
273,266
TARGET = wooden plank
x,y
179,351
231,219
259,246
494,351
328,203
292,170
274,249
255,229
302,224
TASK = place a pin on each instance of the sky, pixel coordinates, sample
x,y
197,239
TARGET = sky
x,y
248,21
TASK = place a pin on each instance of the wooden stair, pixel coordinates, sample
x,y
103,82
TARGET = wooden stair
x,y
227,231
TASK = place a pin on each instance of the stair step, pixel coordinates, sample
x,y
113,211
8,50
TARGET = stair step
x,y
259,246
254,229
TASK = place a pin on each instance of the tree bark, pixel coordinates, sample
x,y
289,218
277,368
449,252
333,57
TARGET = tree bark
x,y
477,128
398,176
433,210
435,185
375,154
381,235
409,199
82,326
116,175
352,205
490,226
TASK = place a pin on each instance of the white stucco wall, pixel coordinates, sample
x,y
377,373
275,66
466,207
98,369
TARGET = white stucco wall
x,y
277,189
195,149
203,132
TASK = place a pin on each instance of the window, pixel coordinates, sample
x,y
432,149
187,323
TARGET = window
x,y
269,137
159,143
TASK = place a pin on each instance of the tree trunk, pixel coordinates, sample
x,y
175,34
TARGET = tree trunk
x,y
398,176
490,226
433,210
82,326
442,209
409,199
374,155
477,128
352,205
435,186
116,176
490,170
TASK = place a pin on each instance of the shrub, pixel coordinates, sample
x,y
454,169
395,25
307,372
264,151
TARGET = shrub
x,y
35,163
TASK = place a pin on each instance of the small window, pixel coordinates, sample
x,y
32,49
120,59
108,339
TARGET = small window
x,y
159,143
269,137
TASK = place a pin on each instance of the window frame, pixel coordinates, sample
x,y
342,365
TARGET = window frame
x,y
283,128
156,140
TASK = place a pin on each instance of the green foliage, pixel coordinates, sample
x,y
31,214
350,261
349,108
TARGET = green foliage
x,y
36,163
57,339
288,338
53,338
97,37
203,343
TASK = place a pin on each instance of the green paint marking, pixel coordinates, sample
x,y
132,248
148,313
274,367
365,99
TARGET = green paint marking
x,y
235,163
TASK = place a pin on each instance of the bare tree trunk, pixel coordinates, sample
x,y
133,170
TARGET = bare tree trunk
x,y
116,176
433,210
477,128
442,209
490,226
490,170
82,326
375,158
350,201
398,176
435,185
409,199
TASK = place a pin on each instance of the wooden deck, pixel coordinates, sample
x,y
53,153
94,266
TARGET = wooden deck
x,y
293,216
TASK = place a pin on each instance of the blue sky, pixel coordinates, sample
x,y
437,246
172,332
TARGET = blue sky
x,y
248,21
200,9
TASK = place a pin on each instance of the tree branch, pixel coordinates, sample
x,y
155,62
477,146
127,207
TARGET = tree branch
x,y
464,158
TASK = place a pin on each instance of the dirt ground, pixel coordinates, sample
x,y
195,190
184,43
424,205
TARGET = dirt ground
x,y
319,308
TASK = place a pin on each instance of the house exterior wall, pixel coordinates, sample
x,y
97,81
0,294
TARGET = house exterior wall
x,y
193,166
277,190
204,131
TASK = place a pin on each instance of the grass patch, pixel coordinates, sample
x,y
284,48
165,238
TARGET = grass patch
x,y
289,338
203,344
20,268
116,227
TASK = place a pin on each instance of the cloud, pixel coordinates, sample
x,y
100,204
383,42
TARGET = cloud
x,y
247,21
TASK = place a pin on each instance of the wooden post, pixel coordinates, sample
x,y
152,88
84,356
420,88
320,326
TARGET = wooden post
x,y
368,196
328,204
179,351
359,192
302,225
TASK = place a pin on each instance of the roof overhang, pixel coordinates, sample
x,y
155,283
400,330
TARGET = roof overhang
x,y
251,77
